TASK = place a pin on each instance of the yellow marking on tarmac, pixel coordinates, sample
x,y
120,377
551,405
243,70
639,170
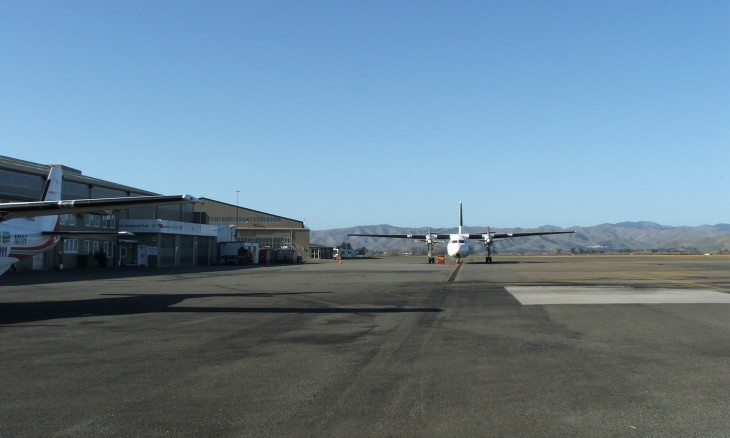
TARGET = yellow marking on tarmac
x,y
679,278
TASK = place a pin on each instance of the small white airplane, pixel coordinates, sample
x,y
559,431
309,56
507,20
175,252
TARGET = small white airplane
x,y
460,244
29,228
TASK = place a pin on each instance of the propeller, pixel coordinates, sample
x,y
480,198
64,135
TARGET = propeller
x,y
488,243
430,237
430,243
488,237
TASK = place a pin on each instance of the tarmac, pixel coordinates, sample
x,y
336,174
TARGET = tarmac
x,y
527,346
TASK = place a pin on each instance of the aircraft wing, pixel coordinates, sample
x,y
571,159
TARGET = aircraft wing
x,y
432,236
87,233
48,208
508,235
471,236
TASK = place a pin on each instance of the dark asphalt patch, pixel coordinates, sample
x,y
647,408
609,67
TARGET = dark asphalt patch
x,y
452,277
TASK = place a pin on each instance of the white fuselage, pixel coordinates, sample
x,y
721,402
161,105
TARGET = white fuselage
x,y
459,245
23,238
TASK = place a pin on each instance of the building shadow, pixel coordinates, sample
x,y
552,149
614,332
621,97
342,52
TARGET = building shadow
x,y
27,278
15,313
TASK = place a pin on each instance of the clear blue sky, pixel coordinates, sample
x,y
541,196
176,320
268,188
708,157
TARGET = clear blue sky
x,y
345,113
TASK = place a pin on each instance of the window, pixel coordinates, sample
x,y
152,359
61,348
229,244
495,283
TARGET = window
x,y
74,190
109,221
91,247
106,192
30,186
71,246
67,219
109,249
92,220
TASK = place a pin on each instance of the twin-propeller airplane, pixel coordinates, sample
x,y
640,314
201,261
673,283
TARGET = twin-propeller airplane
x,y
29,228
461,244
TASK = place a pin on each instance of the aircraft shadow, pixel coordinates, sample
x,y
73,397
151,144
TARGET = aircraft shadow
x,y
15,313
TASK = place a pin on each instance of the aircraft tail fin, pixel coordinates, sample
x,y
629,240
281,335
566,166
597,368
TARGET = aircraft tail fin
x,y
52,190
461,219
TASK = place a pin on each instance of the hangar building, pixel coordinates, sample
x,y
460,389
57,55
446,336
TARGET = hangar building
x,y
268,230
171,235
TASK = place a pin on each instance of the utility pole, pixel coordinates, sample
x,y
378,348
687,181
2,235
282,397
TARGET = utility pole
x,y
237,192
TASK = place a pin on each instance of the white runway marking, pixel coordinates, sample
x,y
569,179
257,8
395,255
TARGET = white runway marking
x,y
542,295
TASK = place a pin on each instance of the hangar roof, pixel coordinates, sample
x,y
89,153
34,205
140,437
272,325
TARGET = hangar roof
x,y
69,174
198,207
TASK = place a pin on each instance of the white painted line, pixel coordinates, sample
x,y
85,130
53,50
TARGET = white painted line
x,y
542,295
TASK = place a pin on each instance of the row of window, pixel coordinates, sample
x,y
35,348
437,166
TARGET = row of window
x,y
268,242
90,220
254,220
91,247
21,184
30,185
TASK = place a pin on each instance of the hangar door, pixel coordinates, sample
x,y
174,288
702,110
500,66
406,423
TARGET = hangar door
x,y
186,251
167,250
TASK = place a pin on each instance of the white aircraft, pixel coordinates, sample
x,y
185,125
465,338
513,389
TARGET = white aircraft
x,y
29,228
460,244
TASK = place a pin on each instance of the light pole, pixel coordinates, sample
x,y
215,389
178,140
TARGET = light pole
x,y
237,192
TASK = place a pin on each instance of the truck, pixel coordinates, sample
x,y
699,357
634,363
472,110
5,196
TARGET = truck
x,y
238,253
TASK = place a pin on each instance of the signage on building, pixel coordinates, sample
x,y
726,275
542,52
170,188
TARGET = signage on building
x,y
167,227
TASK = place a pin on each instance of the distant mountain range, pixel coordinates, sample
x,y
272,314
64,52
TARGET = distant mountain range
x,y
621,237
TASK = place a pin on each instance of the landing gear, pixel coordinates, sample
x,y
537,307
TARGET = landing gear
x,y
489,259
489,253
431,259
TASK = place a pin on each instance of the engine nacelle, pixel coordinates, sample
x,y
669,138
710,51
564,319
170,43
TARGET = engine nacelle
x,y
487,237
430,238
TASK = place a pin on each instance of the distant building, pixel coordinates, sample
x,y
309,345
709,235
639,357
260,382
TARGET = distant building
x,y
265,229
320,252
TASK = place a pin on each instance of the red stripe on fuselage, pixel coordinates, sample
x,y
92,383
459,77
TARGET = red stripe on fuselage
x,y
22,252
